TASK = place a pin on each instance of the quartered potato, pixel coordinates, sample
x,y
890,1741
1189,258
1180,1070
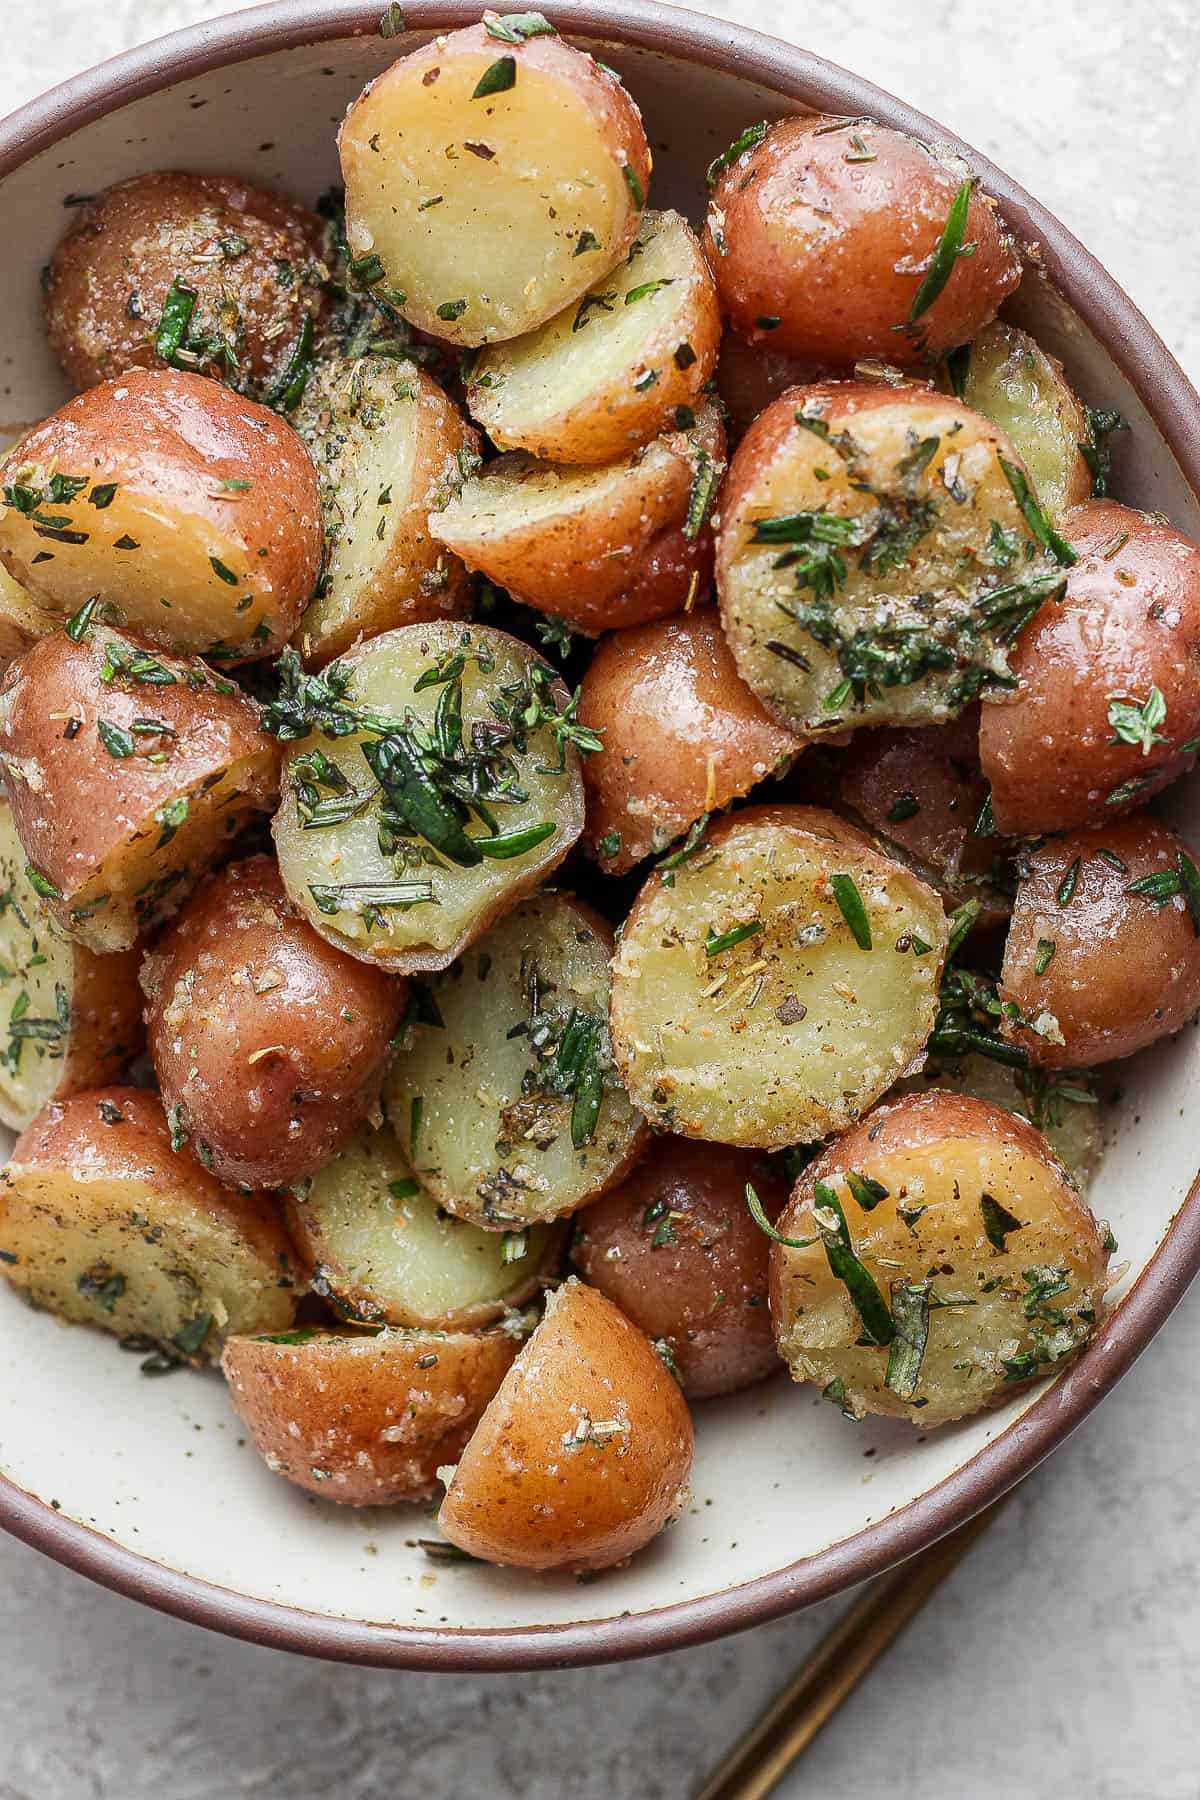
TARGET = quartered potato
x,y
769,989
399,747
1016,385
1063,1107
366,1420
506,1104
23,620
491,177
951,1258
628,361
389,448
105,1224
382,1250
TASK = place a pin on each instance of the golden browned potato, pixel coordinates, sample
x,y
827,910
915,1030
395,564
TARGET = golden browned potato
x,y
750,376
193,512
1015,384
203,272
389,448
269,1045
129,773
682,735
840,239
103,1222
767,991
879,548
599,547
1108,706
491,177
364,1420
584,1454
615,369
1103,953
946,1257
676,1249
23,620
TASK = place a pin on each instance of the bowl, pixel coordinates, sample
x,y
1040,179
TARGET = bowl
x,y
148,1486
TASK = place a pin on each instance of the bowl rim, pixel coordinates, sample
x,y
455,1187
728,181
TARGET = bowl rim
x,y
1131,342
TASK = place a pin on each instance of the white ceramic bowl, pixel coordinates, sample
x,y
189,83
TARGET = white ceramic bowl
x,y
149,1486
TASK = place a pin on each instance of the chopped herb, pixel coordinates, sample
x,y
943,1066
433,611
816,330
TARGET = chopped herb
x,y
947,251
910,1316
102,495
866,1190
1044,955
998,1222
587,240
451,309
768,321
514,1246
365,897
177,311
514,28
1135,722
958,367
753,134
705,481
1112,859
1043,1284
101,1284
872,1308
609,845
41,884
497,78
222,571
116,740
416,1113
77,625
169,818
189,1339
716,941
685,356
288,389
1065,892
850,905
589,304
684,852
764,1224
904,806
110,1113
515,843
636,192
393,23
1035,515
1097,450
647,288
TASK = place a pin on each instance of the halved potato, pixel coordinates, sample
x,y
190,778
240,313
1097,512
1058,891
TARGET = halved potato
x,y
1064,1108
364,1420
769,989
628,361
1015,384
382,1251
103,1223
951,1258
23,620
508,1109
491,176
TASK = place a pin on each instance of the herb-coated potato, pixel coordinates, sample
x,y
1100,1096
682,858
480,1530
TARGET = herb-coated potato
x,y
491,178
677,1250
74,1020
825,249
612,371
129,773
194,512
1063,1107
23,620
104,1224
584,1454
364,1420
949,1235
771,987
682,735
873,557
389,448
452,710
1108,707
205,272
750,376
1103,952
1015,384
507,1107
600,547
269,1045
382,1250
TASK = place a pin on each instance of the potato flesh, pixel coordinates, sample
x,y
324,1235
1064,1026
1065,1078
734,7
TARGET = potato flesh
x,y
493,1141
22,618
1012,382
1072,1127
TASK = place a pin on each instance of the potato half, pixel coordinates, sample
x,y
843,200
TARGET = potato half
x,y
1015,384
771,987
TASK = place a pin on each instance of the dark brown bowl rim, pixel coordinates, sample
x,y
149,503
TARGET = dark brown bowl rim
x,y
1175,407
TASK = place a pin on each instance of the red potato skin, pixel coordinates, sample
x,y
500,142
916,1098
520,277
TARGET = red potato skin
x,y
1129,621
836,250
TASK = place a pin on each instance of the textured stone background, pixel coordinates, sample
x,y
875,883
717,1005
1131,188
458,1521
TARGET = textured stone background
x,y
1061,1655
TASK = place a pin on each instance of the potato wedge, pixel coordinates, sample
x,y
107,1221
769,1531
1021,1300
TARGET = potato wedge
x,y
508,1109
448,710
1064,1108
768,990
364,1420
103,1223
1015,384
128,773
584,1454
23,620
615,369
948,1235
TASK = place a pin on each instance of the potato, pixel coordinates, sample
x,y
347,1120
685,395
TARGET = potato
x,y
491,178
508,1109
676,1249
750,376
627,362
1103,953
1108,707
195,513
599,547
73,1018
364,1420
584,1454
23,620
874,558
682,735
128,773
269,1045
103,1223
770,988
203,272
840,239
389,447
1063,1107
1016,385
950,1239
449,711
